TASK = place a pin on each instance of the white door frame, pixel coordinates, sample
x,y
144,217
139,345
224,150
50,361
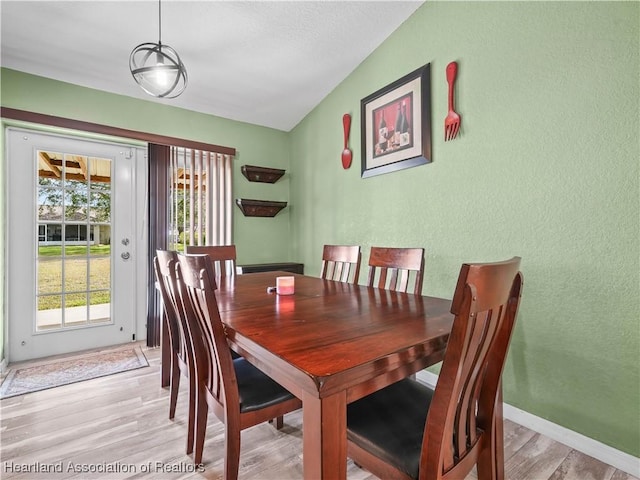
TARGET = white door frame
x,y
136,266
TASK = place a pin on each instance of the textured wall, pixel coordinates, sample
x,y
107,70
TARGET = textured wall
x,y
546,167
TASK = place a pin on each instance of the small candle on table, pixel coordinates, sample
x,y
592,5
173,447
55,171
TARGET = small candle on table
x,y
285,285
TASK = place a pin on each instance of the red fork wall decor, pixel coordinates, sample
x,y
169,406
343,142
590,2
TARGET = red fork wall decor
x,y
452,122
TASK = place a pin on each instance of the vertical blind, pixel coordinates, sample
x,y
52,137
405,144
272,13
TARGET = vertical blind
x,y
200,198
190,203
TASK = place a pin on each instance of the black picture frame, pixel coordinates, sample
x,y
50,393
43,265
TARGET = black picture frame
x,y
405,141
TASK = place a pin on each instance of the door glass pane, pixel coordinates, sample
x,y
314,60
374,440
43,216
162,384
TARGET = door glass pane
x,y
75,272
49,204
73,240
50,169
100,206
99,306
100,171
75,309
76,204
99,272
49,272
49,312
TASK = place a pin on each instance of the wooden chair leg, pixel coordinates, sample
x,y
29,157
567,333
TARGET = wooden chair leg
x,y
202,412
232,454
277,422
491,458
498,437
486,463
165,365
174,387
191,427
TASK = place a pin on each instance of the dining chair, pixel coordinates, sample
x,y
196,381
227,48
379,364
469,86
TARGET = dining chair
x,y
410,431
180,348
238,393
394,268
222,256
341,263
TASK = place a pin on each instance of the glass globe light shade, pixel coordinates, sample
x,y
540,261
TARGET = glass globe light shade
x,y
158,70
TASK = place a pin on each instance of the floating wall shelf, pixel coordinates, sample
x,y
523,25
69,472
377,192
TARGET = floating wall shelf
x,y
261,174
259,208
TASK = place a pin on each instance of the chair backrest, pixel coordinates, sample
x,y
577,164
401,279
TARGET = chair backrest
x,y
222,256
341,263
485,305
164,265
394,268
210,348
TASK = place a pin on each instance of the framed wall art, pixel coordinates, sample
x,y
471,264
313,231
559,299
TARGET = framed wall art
x,y
396,125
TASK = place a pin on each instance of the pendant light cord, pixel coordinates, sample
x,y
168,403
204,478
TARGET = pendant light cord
x,y
159,22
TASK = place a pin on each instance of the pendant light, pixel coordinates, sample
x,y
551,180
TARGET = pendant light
x,y
157,68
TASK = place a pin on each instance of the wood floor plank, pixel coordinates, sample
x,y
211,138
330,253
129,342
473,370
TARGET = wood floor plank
x,y
578,466
620,475
515,437
121,421
537,459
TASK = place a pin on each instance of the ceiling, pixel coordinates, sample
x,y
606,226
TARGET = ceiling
x,y
267,63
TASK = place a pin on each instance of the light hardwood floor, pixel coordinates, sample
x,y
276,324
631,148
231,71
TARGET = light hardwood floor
x,y
121,423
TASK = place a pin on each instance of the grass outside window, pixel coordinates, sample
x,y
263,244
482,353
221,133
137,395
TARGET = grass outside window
x,y
50,262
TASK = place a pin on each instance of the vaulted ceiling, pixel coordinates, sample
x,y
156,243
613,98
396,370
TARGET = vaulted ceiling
x,y
263,62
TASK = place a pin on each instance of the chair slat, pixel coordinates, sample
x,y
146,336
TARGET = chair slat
x,y
222,256
394,268
341,263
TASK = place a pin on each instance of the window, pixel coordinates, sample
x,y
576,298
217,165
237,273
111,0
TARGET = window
x,y
74,270
200,198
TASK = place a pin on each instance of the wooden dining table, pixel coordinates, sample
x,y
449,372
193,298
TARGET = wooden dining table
x,y
329,344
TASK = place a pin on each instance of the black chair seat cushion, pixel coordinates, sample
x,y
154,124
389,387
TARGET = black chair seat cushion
x,y
390,423
256,389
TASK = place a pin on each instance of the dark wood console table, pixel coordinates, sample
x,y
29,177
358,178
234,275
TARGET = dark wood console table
x,y
272,267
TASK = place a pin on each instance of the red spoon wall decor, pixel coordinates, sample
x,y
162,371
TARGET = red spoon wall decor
x,y
346,153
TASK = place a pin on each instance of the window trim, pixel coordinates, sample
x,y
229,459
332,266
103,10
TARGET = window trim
x,y
54,121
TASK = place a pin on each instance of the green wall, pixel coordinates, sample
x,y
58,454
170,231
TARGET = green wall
x,y
546,167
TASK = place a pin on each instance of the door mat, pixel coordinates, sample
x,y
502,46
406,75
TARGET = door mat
x,y
71,370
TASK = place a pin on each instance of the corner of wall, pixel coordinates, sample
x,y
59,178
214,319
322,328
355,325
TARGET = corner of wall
x,y
3,312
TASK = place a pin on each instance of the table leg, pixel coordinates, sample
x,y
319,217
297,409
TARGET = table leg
x,y
325,436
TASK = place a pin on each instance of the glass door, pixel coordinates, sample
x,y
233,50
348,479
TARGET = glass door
x,y
72,266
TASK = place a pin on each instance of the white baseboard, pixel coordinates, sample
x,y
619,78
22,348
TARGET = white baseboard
x,y
609,455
